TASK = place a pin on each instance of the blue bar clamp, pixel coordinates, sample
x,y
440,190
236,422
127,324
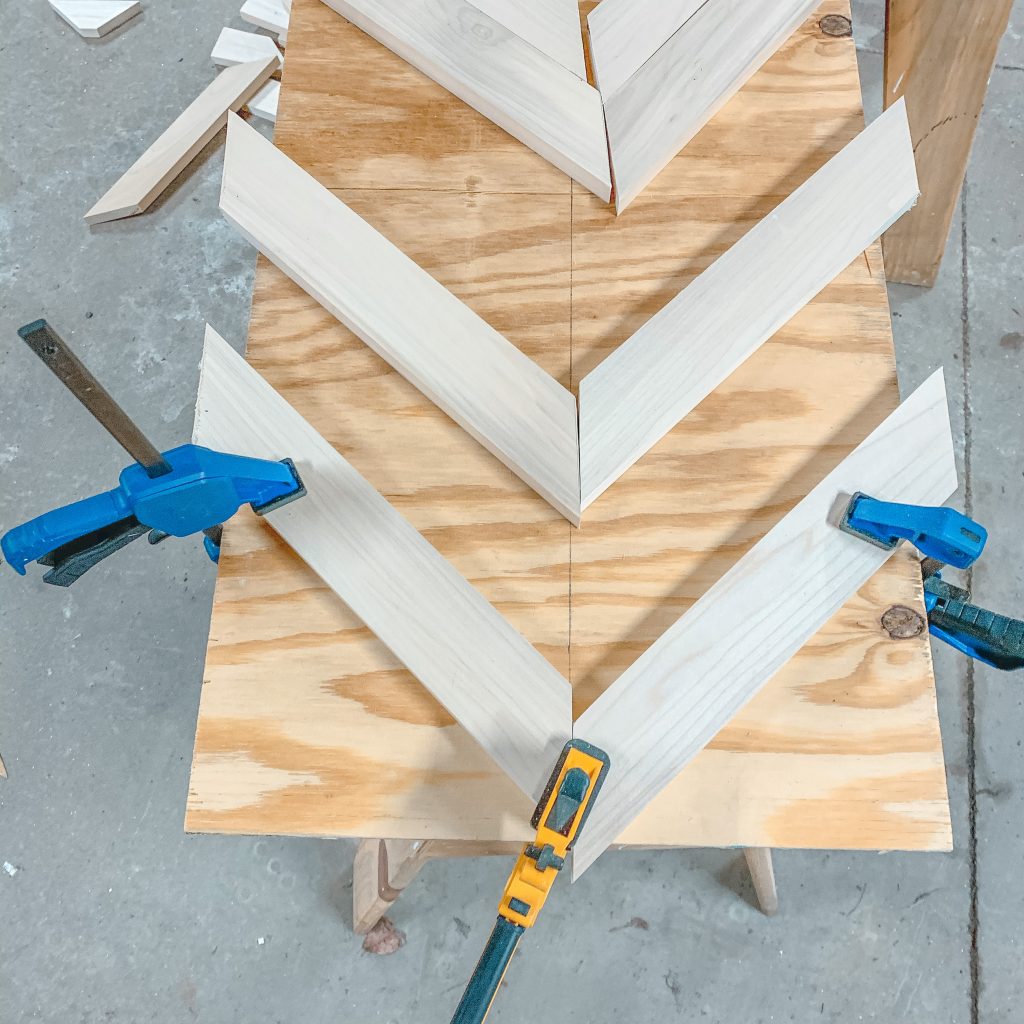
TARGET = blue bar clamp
x,y
945,537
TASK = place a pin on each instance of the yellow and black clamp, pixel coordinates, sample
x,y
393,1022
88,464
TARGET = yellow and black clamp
x,y
560,815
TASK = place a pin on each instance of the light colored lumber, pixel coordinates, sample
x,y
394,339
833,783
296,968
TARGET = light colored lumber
x,y
264,103
506,401
234,46
495,683
762,874
309,725
687,81
3,769
625,34
672,363
536,100
939,56
687,686
96,18
269,14
552,26
199,122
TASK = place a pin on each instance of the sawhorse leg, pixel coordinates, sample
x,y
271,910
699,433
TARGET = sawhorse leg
x,y
762,874
384,867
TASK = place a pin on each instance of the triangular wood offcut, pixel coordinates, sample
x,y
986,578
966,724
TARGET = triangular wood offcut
x,y
95,18
273,15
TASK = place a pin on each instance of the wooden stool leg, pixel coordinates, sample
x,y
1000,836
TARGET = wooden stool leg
x,y
382,869
762,874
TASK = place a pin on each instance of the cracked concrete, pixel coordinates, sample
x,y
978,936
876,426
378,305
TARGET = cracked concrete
x,y
112,914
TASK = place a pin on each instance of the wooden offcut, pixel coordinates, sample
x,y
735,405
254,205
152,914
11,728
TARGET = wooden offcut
x,y
309,725
94,19
136,189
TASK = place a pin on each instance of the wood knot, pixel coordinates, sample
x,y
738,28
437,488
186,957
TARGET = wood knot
x,y
902,623
837,25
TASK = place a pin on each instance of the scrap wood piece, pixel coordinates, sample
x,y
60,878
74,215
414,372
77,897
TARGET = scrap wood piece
x,y
625,34
515,409
136,189
553,26
686,687
273,15
3,769
264,103
656,377
234,46
500,688
687,81
96,18
536,100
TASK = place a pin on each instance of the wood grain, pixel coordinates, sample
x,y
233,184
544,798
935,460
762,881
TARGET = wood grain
x,y
625,34
512,406
552,26
690,683
939,56
676,359
499,688
542,104
687,81
136,189
308,725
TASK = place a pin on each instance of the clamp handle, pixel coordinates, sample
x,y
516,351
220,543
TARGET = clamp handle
x,y
996,640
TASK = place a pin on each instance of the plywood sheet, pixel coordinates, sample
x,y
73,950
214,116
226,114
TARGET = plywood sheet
x,y
308,726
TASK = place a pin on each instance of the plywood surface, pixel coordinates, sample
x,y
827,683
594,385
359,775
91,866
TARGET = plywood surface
x,y
308,726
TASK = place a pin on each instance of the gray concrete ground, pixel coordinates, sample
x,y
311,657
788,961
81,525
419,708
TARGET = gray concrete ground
x,y
112,914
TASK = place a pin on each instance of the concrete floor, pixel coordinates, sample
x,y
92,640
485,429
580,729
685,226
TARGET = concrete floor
x,y
112,914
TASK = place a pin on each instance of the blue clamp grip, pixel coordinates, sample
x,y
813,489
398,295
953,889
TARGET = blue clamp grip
x,y
944,534
203,489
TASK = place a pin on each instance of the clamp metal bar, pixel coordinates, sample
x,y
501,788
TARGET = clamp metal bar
x,y
75,376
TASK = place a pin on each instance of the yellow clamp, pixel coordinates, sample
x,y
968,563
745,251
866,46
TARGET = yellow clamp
x,y
560,814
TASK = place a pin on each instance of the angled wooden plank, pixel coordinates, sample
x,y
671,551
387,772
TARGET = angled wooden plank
x,y
272,15
96,18
687,686
501,690
536,100
651,381
939,54
625,34
264,103
553,26
136,189
236,47
687,81
515,409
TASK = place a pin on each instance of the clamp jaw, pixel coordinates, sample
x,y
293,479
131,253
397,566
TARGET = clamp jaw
x,y
945,537
199,491
560,815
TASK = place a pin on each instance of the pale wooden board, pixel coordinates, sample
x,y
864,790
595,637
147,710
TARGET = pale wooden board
x,y
136,189
515,409
676,359
234,46
535,99
264,103
688,685
96,18
308,725
625,34
501,690
269,14
552,26
687,81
